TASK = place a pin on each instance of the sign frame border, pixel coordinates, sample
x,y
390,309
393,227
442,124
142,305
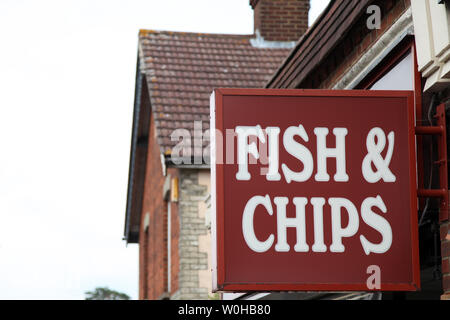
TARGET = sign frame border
x,y
217,187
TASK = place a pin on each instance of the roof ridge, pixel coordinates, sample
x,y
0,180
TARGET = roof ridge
x,y
146,32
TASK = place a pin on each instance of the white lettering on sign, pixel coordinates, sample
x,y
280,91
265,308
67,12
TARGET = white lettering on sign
x,y
300,152
295,149
244,149
374,168
298,223
337,204
378,223
273,133
338,207
323,153
247,224
376,142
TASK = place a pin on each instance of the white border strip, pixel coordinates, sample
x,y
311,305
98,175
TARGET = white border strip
x,y
212,128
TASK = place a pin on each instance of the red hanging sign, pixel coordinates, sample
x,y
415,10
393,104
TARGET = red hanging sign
x,y
313,190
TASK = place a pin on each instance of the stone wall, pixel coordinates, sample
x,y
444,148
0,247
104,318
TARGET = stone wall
x,y
194,278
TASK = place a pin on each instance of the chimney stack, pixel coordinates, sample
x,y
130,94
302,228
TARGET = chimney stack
x,y
280,20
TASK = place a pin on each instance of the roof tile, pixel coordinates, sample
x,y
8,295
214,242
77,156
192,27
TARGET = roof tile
x,y
182,69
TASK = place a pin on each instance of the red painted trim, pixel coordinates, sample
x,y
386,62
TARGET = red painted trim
x,y
419,115
420,130
219,190
413,191
443,162
246,287
313,93
432,193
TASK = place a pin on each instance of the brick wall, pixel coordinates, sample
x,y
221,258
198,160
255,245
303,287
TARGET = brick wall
x,y
354,45
152,253
281,20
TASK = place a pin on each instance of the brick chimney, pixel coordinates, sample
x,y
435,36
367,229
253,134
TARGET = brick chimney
x,y
280,20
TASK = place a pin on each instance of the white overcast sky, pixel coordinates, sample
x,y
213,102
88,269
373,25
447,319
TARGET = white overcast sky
x,y
67,72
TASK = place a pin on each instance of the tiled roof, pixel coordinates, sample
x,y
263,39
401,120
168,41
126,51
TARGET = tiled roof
x,y
182,69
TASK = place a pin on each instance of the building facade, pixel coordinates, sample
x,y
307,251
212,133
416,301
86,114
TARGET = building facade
x,y
354,44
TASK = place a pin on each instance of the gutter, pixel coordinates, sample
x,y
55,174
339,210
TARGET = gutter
x,y
169,164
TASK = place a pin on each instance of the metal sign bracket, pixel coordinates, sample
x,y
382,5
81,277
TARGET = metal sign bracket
x,y
440,131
